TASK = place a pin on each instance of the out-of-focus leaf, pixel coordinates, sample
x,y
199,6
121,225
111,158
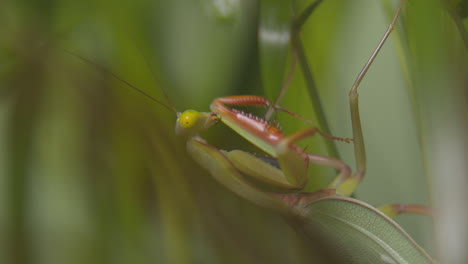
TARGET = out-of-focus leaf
x,y
439,67
202,47
274,38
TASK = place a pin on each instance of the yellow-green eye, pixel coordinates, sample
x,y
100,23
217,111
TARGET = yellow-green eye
x,y
189,118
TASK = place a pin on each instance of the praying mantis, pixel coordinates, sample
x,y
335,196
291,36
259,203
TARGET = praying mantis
x,y
229,167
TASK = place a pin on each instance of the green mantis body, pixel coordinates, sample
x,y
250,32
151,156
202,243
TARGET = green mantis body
x,y
292,160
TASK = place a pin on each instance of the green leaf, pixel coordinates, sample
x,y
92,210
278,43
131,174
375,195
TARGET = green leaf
x,y
361,233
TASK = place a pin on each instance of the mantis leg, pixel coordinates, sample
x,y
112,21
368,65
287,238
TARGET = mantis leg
x,y
291,157
350,185
293,162
392,210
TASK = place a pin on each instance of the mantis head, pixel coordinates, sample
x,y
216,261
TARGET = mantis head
x,y
191,122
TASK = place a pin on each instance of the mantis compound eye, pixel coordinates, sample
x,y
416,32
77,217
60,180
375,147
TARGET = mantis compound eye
x,y
189,119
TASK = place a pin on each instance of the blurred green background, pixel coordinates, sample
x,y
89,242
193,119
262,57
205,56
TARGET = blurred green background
x,y
92,172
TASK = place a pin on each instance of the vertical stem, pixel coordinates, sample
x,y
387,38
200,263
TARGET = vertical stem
x,y
309,78
314,95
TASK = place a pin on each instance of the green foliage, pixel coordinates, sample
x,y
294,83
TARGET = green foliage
x,y
91,171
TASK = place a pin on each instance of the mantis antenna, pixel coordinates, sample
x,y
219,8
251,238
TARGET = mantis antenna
x,y
115,76
153,74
